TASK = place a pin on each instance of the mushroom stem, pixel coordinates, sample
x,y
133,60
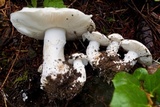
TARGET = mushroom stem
x,y
93,52
80,68
53,53
131,57
54,42
112,48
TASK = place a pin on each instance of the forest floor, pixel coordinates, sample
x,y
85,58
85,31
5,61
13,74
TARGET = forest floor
x,y
20,56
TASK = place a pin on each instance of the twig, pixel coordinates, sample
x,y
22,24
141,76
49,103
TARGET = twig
x,y
150,22
17,53
155,7
157,17
72,3
4,98
9,70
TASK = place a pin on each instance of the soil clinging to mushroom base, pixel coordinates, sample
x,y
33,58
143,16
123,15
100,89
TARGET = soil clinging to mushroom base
x,y
64,86
108,66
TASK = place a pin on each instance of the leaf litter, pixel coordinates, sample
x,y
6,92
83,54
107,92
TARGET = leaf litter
x,y
21,55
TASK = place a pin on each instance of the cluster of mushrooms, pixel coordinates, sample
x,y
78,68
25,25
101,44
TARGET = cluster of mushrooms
x,y
63,78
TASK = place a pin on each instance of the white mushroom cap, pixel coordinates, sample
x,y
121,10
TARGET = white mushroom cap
x,y
96,36
80,56
115,37
33,22
144,55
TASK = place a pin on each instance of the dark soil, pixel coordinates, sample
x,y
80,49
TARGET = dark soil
x,y
20,56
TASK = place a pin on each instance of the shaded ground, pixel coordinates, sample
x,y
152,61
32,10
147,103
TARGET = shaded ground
x,y
21,56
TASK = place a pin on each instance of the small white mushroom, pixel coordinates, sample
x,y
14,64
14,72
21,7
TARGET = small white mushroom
x,y
113,47
136,51
55,26
96,39
79,60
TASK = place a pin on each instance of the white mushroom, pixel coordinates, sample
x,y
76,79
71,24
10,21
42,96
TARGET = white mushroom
x,y
96,39
113,47
54,26
79,60
136,51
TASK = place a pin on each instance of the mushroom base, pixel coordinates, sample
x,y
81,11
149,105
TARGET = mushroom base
x,y
110,65
64,86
